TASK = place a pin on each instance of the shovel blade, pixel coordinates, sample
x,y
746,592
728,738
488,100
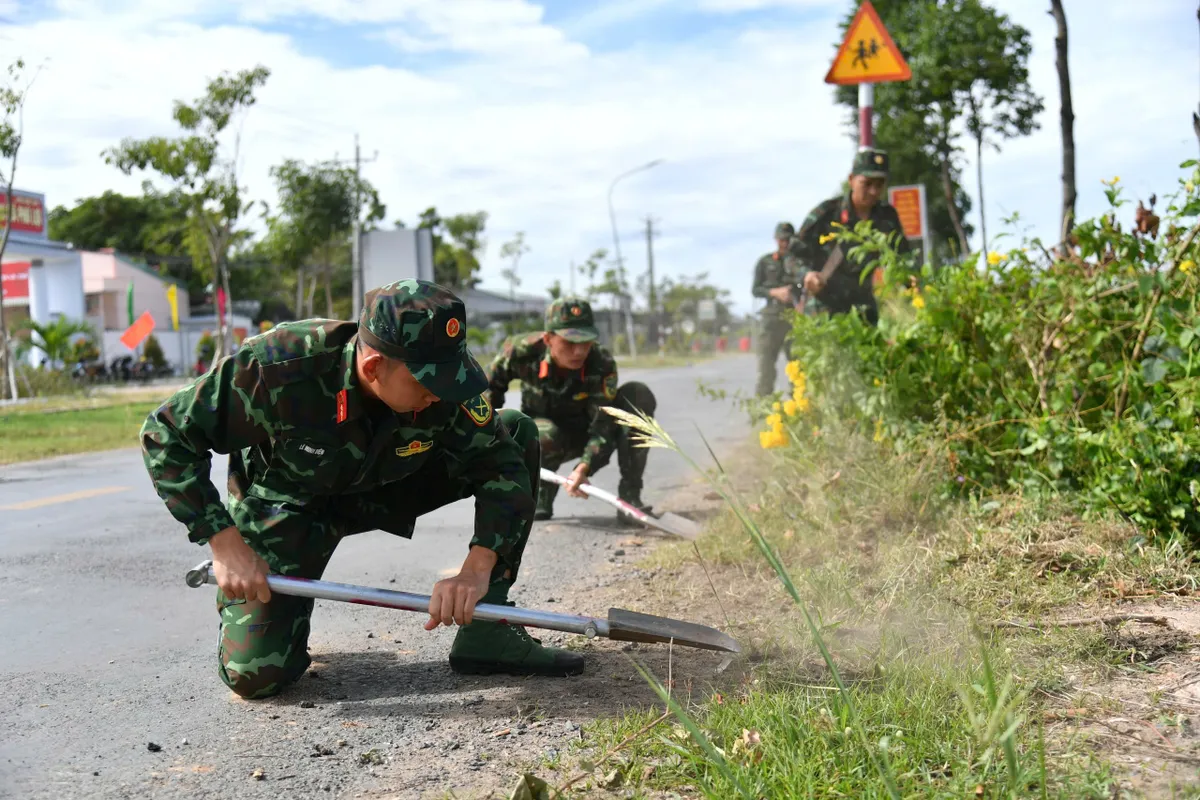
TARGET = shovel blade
x,y
680,526
632,626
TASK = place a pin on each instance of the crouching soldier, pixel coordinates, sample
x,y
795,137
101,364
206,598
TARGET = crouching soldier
x,y
336,428
566,378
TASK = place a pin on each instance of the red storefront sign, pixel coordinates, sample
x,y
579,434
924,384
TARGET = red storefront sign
x,y
15,278
28,213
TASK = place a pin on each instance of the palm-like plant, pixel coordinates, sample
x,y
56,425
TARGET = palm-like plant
x,y
56,338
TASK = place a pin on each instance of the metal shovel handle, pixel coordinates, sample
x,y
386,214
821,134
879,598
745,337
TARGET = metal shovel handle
x,y
600,494
590,627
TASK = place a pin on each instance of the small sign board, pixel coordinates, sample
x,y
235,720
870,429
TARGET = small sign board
x,y
913,210
706,310
867,54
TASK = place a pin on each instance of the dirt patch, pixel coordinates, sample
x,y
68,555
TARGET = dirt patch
x,y
1143,714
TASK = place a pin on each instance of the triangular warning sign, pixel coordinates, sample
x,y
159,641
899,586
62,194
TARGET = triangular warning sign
x,y
867,54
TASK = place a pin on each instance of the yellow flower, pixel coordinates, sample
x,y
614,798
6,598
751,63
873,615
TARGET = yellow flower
x,y
801,402
1116,179
1187,266
878,382
995,258
769,439
790,408
918,302
828,237
879,430
1191,187
775,406
774,421
793,370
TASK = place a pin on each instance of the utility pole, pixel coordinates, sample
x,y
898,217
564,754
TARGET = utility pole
x,y
572,277
652,336
358,289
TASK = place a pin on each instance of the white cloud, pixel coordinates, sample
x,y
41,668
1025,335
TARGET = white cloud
x,y
533,126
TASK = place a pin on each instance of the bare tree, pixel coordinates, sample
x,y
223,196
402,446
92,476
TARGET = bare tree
x,y
1066,119
12,130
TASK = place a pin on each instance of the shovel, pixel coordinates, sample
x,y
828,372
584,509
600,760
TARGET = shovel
x,y
621,625
668,522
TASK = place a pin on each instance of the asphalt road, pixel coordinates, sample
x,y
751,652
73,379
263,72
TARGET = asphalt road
x,y
105,650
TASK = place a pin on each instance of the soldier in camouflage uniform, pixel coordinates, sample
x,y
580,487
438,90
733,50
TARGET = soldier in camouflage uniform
x,y
773,282
849,286
335,428
566,377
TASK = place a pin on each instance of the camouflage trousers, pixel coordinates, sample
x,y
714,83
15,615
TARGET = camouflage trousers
x,y
776,330
263,647
560,443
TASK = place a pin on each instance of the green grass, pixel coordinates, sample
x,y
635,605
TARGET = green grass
x,y
28,433
903,589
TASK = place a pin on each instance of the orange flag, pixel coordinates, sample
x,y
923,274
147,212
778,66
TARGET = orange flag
x,y
136,333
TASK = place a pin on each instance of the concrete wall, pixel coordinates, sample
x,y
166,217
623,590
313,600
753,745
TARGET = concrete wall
x,y
188,336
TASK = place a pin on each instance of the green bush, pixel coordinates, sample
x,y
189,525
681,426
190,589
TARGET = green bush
x,y
206,348
152,351
1032,373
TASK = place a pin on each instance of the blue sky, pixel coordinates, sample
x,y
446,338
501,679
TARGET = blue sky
x,y
529,110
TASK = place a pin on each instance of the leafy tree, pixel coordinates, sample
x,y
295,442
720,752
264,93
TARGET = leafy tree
x,y
152,227
680,298
964,55
457,245
55,339
514,249
207,181
555,290
588,270
320,204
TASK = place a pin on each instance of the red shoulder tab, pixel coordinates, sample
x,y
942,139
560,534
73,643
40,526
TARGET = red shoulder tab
x,y
341,406
845,216
544,369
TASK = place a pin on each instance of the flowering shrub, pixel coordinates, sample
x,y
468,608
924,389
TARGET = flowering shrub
x,y
1036,373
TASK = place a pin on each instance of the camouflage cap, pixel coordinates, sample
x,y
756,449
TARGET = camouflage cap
x,y
425,326
572,319
870,163
784,230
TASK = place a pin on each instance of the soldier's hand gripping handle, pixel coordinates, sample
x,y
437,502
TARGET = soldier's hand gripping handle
x,y
240,572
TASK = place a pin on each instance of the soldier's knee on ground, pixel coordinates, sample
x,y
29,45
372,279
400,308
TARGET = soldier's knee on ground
x,y
636,396
263,646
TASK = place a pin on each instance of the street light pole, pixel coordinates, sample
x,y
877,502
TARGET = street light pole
x,y
612,216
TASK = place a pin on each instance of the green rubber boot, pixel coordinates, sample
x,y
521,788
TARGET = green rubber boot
x,y
545,501
493,648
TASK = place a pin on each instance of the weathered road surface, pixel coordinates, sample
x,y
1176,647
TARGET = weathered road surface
x,y
103,649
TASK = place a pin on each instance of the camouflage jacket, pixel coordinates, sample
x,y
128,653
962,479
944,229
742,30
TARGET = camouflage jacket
x,y
572,400
290,402
807,253
771,271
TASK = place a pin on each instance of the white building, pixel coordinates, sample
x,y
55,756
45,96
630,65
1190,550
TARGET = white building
x,y
44,280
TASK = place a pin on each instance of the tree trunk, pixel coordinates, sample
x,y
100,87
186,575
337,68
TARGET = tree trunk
x,y
228,327
1066,119
5,361
300,292
979,179
948,187
328,287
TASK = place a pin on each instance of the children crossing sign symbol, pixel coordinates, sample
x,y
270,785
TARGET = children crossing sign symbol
x,y
867,54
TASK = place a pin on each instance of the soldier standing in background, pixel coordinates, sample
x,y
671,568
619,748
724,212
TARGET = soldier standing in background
x,y
846,287
773,281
